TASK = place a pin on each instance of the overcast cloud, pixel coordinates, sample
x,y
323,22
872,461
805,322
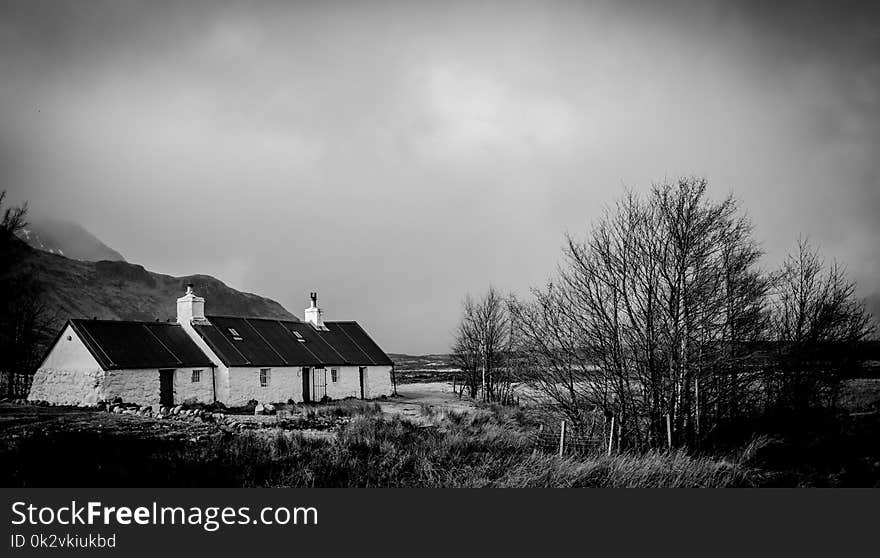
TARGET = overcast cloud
x,y
394,156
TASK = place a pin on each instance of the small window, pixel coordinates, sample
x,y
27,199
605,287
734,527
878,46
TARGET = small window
x,y
299,337
196,376
235,334
264,377
334,375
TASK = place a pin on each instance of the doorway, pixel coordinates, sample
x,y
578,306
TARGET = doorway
x,y
166,387
319,384
362,372
306,372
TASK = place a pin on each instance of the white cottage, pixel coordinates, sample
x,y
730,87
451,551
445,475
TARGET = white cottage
x,y
206,358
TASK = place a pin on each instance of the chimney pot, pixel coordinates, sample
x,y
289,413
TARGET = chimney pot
x,y
313,313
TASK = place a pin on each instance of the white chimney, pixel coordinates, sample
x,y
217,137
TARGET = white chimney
x,y
313,313
190,307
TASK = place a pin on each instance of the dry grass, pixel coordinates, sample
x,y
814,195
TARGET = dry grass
x,y
344,408
489,447
652,470
482,449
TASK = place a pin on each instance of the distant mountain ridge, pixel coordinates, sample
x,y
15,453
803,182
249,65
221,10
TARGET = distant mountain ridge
x,y
118,290
68,239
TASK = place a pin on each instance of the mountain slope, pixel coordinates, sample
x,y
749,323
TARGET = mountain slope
x,y
68,239
124,291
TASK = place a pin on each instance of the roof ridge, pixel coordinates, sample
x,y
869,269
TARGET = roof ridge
x,y
136,322
295,320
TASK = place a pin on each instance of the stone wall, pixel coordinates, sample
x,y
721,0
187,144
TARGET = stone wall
x,y
187,391
142,386
66,387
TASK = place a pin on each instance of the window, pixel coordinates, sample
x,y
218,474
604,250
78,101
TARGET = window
x,y
264,377
235,334
334,375
196,376
299,337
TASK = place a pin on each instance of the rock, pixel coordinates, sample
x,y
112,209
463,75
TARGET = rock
x,y
176,410
269,408
259,409
117,410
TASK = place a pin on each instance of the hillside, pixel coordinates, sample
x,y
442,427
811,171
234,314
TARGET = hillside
x,y
68,239
125,291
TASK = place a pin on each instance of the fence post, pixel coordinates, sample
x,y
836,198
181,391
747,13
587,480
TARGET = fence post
x,y
669,431
611,436
562,438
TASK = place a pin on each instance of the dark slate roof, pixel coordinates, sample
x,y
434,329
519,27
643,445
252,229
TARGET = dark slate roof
x,y
270,342
125,345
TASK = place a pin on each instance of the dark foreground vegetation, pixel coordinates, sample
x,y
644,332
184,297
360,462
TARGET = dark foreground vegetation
x,y
489,447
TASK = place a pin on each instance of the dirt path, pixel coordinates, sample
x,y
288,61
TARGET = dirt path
x,y
436,395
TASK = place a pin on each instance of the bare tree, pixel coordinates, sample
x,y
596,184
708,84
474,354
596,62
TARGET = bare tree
x,y
816,322
481,347
643,311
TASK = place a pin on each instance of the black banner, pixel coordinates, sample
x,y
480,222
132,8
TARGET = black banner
x,y
248,522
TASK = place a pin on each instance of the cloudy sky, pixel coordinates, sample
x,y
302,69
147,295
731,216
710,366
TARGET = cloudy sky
x,y
395,156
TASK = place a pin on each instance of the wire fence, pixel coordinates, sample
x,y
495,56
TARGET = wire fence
x,y
561,439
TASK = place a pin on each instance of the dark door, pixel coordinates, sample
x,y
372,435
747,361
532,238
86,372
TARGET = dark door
x,y
306,385
361,372
166,388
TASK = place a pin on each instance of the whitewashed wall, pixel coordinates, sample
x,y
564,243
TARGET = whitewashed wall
x,y
69,375
286,383
378,382
141,386
221,372
244,384
187,391
347,384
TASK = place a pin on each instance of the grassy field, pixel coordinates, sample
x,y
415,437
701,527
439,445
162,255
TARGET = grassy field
x,y
485,447
425,438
